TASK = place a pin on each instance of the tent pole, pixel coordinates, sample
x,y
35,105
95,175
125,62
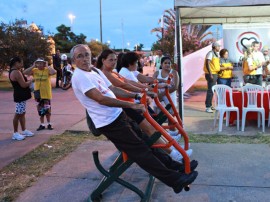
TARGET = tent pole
x,y
179,60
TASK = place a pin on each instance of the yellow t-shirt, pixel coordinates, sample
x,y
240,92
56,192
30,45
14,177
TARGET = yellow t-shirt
x,y
227,73
43,82
214,64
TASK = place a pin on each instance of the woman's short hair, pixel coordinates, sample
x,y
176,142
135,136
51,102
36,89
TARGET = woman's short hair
x,y
13,60
129,58
222,52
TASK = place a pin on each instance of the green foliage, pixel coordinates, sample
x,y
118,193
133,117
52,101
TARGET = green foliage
x,y
193,36
97,47
18,40
138,47
65,39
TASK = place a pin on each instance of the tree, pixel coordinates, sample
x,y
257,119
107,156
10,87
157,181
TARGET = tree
x,y
65,39
138,47
17,39
193,36
97,47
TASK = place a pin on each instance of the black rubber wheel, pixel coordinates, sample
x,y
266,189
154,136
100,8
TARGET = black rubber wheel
x,y
187,188
66,86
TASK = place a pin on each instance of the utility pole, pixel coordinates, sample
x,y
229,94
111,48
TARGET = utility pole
x,y
100,19
123,39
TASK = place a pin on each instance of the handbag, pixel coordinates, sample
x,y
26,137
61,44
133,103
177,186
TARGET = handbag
x,y
37,94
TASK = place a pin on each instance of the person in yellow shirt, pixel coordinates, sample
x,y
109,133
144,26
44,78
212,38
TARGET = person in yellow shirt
x,y
249,68
211,69
225,73
41,73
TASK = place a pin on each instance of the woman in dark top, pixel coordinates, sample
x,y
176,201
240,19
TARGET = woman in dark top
x,y
21,93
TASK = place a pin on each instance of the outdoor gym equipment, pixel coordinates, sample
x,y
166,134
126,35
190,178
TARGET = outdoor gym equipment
x,y
122,162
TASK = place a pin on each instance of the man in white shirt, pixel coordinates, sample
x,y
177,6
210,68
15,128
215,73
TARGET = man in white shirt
x,y
98,96
259,60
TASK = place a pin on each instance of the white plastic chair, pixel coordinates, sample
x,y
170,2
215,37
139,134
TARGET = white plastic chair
x,y
268,91
252,105
221,105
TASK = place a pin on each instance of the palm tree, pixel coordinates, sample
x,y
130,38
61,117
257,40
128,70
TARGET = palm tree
x,y
194,37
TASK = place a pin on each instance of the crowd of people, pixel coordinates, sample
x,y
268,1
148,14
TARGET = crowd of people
x,y
109,88
218,68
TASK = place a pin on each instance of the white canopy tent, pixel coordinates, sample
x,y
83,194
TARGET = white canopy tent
x,y
216,12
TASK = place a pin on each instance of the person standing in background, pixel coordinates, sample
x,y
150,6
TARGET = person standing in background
x,y
211,69
41,73
226,67
259,61
57,67
249,67
158,60
266,66
21,93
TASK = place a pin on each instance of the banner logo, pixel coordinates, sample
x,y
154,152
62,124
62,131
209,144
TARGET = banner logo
x,y
245,39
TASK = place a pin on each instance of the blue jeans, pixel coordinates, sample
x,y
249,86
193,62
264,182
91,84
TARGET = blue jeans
x,y
224,81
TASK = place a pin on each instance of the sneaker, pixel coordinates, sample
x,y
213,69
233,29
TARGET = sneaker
x,y
177,156
209,110
27,133
18,136
213,108
172,133
49,127
185,180
177,138
41,127
193,166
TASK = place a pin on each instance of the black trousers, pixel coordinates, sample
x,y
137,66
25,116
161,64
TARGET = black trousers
x,y
210,84
58,76
154,162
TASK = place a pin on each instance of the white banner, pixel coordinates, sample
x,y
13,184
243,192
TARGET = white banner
x,y
237,37
193,66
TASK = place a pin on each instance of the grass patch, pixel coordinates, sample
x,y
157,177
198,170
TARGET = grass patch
x,y
222,139
21,174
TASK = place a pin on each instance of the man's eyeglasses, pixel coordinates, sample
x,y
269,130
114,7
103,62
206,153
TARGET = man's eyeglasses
x,y
82,56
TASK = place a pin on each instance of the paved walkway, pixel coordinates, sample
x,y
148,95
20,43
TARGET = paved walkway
x,y
228,172
66,112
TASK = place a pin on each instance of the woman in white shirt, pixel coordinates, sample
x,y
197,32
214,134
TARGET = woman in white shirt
x,y
129,71
162,75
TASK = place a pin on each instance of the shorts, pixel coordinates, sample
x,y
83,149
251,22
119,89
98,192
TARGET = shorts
x,y
134,115
44,107
20,107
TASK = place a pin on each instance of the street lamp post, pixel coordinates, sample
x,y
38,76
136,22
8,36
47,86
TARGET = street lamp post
x,y
162,29
71,17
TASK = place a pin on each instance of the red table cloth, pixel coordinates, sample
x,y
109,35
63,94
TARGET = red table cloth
x,y
237,100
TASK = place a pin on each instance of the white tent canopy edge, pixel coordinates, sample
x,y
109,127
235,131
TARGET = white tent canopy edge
x,y
223,11
215,12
